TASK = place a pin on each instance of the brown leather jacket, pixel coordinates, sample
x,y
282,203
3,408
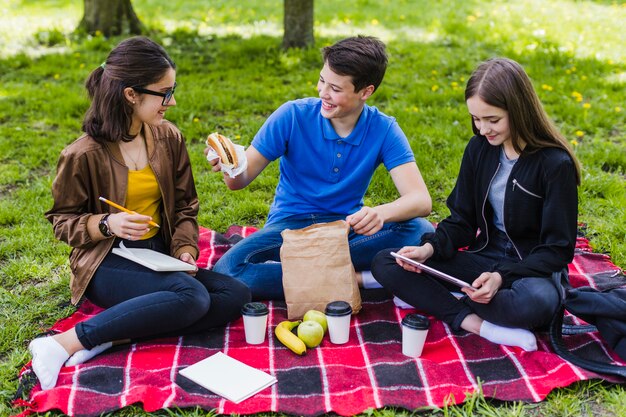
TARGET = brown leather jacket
x,y
87,170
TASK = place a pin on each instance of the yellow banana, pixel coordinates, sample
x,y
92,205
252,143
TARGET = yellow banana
x,y
284,335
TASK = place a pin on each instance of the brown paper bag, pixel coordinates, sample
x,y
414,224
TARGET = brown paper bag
x,y
317,268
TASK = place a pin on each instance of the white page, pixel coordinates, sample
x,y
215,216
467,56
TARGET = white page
x,y
228,377
152,259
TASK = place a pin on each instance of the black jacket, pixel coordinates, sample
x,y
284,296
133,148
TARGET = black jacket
x,y
540,210
606,310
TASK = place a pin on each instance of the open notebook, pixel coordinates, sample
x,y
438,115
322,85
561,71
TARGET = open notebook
x,y
228,377
152,259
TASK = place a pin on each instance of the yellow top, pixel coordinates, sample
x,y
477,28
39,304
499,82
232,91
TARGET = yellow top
x,y
144,196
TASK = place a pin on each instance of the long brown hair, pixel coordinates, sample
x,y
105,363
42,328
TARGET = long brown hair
x,y
134,62
503,83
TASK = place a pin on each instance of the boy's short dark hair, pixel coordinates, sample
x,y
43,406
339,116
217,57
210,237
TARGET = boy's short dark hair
x,y
361,57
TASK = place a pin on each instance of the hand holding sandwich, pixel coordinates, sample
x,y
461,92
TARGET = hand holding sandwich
x,y
224,155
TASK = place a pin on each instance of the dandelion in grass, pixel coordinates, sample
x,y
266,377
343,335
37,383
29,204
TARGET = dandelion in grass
x,y
237,137
454,85
618,109
586,106
196,120
574,142
375,22
577,96
547,87
434,87
81,66
57,76
579,133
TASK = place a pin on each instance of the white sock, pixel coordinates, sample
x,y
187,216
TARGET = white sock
x,y
84,355
401,304
48,359
509,336
369,281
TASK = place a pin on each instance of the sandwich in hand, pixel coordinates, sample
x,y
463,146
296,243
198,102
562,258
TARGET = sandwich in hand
x,y
224,149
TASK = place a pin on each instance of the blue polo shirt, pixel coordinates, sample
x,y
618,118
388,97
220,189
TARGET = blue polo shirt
x,y
320,172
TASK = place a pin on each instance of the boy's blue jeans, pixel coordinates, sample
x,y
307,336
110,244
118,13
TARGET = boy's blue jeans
x,y
256,259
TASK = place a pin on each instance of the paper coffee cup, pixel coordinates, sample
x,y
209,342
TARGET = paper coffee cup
x,y
255,322
338,315
414,331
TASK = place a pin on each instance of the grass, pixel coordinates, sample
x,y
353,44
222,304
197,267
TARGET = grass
x,y
232,75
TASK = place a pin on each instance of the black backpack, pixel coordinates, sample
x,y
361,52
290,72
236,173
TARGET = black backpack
x,y
605,310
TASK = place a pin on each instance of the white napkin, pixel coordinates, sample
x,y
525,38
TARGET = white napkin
x,y
241,157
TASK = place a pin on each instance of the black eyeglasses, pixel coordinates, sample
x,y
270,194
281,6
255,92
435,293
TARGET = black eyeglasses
x,y
167,96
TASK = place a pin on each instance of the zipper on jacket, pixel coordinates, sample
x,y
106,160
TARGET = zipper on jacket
x,y
482,212
515,183
512,243
504,223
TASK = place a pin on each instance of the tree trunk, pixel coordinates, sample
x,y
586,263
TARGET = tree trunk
x,y
298,24
110,17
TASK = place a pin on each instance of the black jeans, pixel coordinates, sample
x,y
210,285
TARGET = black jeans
x,y
529,303
142,303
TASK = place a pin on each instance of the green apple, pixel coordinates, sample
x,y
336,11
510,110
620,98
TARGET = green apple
x,y
311,333
317,316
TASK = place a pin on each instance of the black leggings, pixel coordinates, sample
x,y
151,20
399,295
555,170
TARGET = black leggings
x,y
142,303
529,303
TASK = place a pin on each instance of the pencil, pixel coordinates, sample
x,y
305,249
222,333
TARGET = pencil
x,y
124,209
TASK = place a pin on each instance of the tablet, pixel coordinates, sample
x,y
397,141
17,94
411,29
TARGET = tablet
x,y
434,272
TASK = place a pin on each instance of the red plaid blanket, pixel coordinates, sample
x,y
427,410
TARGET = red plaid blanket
x,y
368,372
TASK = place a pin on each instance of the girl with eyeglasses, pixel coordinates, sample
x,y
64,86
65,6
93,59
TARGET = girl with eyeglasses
x,y
130,155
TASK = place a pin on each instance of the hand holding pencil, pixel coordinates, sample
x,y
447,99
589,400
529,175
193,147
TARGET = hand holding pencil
x,y
129,229
124,209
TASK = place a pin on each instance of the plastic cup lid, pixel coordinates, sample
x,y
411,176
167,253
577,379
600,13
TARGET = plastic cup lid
x,y
254,309
338,308
416,321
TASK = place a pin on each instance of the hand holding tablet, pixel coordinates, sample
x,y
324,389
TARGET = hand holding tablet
x,y
434,272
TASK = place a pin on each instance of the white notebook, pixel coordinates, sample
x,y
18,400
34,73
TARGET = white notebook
x,y
228,377
152,259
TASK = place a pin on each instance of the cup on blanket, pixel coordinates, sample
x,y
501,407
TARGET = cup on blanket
x,y
414,331
254,322
338,315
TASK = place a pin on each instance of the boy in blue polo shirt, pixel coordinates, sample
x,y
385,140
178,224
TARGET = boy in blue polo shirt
x,y
329,148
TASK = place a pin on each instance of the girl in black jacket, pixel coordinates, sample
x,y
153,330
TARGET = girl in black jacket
x,y
514,209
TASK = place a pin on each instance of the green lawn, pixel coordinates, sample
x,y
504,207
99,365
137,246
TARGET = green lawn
x,y
232,74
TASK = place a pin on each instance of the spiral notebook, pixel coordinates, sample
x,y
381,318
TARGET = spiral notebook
x,y
228,377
